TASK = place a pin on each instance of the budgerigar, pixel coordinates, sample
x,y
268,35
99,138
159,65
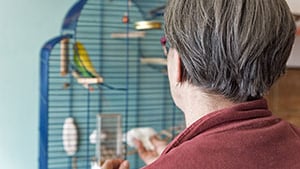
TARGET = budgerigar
x,y
79,66
83,62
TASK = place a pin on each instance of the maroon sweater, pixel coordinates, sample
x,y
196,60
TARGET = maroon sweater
x,y
246,136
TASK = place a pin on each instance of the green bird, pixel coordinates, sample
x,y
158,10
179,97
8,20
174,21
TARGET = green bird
x,y
79,62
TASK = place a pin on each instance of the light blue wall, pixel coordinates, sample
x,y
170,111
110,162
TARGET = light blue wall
x,y
25,25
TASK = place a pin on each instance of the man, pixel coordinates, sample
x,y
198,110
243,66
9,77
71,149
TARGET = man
x,y
224,56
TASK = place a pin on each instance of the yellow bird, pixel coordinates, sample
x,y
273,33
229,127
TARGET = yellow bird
x,y
85,59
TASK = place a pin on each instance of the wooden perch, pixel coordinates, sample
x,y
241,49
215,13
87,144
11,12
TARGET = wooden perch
x,y
157,61
64,56
137,34
87,81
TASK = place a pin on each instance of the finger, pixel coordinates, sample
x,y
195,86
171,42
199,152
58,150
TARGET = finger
x,y
156,141
154,138
124,165
138,144
108,164
112,164
140,147
143,152
159,144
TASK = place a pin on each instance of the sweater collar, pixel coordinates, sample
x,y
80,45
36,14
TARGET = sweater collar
x,y
242,111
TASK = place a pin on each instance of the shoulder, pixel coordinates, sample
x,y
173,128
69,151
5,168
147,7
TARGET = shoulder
x,y
255,144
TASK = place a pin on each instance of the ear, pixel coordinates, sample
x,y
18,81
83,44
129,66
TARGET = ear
x,y
178,68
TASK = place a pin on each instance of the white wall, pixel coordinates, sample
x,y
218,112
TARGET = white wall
x,y
294,60
294,5
25,26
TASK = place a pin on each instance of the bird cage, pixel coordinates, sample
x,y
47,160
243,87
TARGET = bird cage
x,y
101,79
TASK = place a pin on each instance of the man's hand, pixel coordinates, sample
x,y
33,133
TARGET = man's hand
x,y
149,156
115,164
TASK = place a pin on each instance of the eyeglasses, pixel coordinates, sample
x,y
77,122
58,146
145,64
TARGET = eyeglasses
x,y
163,42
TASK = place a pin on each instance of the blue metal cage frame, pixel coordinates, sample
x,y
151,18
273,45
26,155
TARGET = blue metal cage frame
x,y
139,92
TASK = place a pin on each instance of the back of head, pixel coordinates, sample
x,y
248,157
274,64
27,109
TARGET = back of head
x,y
233,48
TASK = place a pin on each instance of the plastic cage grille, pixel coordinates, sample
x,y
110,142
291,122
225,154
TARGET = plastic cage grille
x,y
137,91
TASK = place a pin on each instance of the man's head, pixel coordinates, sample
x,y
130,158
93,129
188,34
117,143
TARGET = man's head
x,y
233,48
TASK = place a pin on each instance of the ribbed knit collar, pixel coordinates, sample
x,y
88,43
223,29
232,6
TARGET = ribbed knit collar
x,y
242,111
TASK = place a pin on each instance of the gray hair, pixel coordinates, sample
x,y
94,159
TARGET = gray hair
x,y
234,48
